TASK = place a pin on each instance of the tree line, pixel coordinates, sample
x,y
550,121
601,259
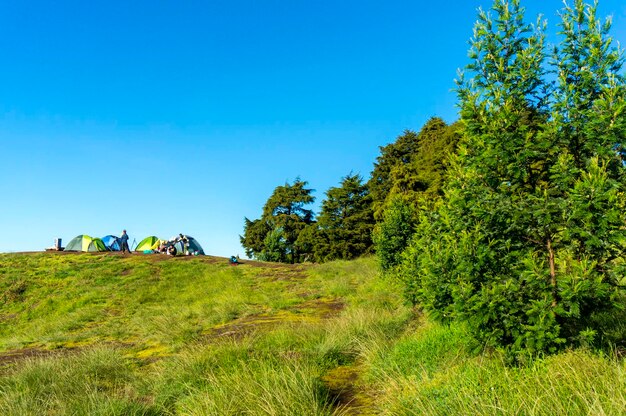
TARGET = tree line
x,y
513,219
410,168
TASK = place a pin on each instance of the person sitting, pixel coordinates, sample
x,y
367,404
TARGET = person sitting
x,y
162,249
171,250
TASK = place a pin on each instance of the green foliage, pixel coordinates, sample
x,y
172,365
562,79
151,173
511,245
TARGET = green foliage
x,y
254,235
427,266
408,178
392,155
528,244
422,178
275,246
413,167
393,234
273,237
345,222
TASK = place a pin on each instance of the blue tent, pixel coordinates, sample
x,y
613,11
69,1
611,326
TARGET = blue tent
x,y
112,243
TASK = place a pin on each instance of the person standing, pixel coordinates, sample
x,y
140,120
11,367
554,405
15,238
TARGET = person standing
x,y
124,242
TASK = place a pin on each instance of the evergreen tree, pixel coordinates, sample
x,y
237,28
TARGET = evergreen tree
x,y
391,156
309,241
393,234
528,244
253,238
413,183
413,167
273,237
345,222
275,246
421,179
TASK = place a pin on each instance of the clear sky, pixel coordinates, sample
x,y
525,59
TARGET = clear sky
x,y
183,116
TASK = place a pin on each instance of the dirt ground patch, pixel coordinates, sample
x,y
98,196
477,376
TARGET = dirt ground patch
x,y
309,311
322,307
10,357
342,383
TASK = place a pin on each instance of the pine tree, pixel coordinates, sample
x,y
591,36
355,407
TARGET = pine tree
x,y
253,238
345,221
392,156
393,234
273,237
528,243
412,168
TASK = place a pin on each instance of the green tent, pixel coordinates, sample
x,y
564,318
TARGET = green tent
x,y
85,243
148,243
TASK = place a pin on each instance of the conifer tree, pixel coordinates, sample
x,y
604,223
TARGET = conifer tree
x,y
273,237
393,234
412,168
392,156
345,221
528,244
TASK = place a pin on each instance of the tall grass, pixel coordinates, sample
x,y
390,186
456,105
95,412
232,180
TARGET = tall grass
x,y
197,337
94,382
433,372
259,386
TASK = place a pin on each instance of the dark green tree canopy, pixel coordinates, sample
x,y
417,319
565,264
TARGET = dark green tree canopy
x,y
288,201
273,236
398,153
253,238
346,221
413,166
528,243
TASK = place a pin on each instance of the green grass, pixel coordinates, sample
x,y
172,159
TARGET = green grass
x,y
432,371
145,335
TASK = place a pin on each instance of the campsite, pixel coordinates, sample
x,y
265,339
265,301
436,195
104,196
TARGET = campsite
x,y
181,244
429,199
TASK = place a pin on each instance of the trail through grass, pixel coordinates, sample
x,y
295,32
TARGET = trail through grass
x,y
151,335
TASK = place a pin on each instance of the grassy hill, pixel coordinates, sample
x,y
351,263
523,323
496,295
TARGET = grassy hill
x,y
151,335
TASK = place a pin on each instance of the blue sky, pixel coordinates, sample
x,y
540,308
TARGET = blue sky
x,y
166,117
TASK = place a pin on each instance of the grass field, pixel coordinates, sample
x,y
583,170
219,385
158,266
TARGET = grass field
x,y
101,334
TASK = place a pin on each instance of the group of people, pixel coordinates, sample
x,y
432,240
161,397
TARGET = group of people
x,y
169,247
166,247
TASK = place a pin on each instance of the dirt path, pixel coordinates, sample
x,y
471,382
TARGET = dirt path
x,y
349,397
343,382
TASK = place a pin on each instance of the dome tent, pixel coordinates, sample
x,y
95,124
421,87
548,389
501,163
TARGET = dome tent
x,y
85,243
148,243
193,247
112,243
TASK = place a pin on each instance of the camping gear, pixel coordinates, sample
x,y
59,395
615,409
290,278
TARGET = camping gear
x,y
112,243
148,243
189,246
85,243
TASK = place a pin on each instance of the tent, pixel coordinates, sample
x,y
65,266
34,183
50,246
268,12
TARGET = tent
x,y
193,247
85,243
112,243
148,243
